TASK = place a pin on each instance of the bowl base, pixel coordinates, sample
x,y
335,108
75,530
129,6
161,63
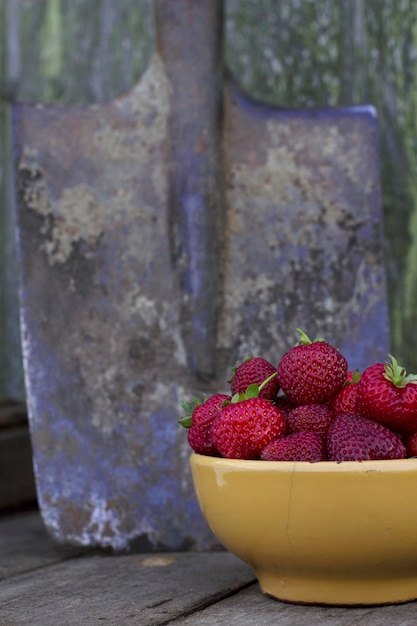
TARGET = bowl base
x,y
337,591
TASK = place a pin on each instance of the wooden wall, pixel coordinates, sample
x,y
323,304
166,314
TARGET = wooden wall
x,y
296,53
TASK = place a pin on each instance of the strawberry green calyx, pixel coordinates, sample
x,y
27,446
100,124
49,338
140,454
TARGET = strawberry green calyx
x,y
355,377
189,407
397,375
305,339
251,392
236,365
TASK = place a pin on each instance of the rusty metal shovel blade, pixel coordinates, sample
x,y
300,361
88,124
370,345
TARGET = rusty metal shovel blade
x,y
161,237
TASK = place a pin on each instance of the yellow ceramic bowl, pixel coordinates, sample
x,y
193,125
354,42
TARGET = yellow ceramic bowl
x,y
324,533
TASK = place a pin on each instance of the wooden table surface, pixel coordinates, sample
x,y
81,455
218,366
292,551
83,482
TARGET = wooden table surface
x,y
44,584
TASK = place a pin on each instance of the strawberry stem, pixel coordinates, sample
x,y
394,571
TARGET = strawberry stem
x,y
305,339
251,392
397,374
236,365
267,380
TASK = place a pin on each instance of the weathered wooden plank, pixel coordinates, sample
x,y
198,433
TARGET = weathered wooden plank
x,y
12,413
25,545
131,589
149,589
17,483
11,373
250,607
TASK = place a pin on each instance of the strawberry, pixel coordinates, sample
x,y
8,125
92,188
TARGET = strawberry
x,y
254,370
315,418
246,425
345,399
301,446
284,404
312,371
388,396
354,438
199,421
411,445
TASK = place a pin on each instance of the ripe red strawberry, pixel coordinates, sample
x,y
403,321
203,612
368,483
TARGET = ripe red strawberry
x,y
345,399
246,425
284,404
312,371
301,446
199,421
411,445
254,370
354,438
315,418
388,396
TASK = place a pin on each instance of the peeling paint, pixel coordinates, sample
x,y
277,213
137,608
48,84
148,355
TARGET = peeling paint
x,y
301,248
77,217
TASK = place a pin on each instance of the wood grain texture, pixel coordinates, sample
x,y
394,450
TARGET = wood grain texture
x,y
143,589
42,584
26,546
17,483
250,607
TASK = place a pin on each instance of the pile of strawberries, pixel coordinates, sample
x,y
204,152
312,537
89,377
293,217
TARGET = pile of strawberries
x,y
308,408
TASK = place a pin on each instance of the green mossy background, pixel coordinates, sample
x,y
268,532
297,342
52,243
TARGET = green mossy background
x,y
292,53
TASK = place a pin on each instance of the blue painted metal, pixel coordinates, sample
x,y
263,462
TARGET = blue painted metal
x,y
193,62
146,270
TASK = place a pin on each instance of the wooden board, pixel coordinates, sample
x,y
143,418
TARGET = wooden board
x,y
26,546
251,607
130,589
17,483
45,584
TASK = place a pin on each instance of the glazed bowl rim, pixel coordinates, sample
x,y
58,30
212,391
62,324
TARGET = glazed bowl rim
x,y
333,467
